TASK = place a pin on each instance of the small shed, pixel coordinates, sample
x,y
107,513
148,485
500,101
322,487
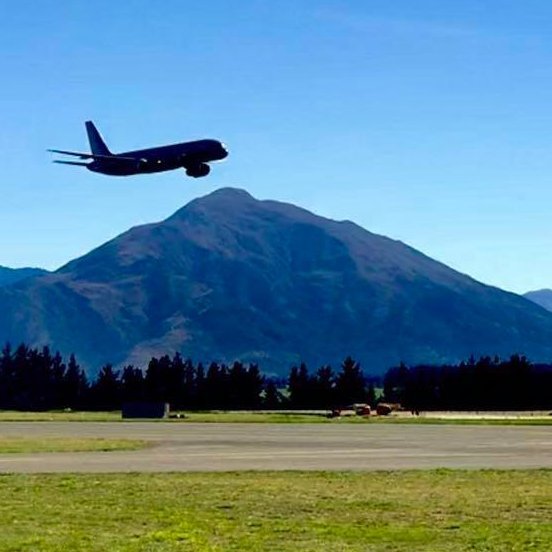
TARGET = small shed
x,y
145,410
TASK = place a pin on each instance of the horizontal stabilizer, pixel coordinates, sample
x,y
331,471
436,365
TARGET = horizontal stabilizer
x,y
75,153
78,163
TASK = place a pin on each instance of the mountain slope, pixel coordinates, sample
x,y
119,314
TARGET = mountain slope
x,y
228,276
542,297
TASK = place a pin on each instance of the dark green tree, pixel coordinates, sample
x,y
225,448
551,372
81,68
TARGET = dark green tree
x,y
106,391
301,387
75,385
349,385
215,387
158,378
132,384
324,396
272,399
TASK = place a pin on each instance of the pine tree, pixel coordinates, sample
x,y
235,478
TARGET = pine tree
x,y
75,386
6,371
132,384
325,388
272,398
349,386
301,387
106,391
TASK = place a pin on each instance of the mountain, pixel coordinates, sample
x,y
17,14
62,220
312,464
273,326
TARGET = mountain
x,y
542,297
12,275
228,276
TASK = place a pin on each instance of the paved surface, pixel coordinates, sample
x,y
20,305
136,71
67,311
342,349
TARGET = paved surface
x,y
222,447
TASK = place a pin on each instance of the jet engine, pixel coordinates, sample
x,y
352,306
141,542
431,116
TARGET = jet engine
x,y
198,171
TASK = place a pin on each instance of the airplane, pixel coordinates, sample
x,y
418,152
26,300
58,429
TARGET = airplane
x,y
192,156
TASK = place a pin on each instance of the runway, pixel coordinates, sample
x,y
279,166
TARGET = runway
x,y
180,447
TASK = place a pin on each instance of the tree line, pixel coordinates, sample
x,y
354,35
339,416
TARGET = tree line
x,y
483,384
38,379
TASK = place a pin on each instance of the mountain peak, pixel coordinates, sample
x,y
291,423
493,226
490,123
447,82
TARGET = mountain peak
x,y
223,198
229,192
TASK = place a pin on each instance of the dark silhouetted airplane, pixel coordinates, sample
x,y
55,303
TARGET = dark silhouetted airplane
x,y
192,156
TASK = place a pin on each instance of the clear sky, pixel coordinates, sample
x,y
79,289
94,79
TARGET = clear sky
x,y
427,121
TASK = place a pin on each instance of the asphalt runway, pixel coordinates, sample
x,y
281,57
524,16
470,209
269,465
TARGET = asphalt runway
x,y
180,447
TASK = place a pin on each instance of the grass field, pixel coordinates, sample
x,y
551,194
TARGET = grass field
x,y
264,417
253,417
441,511
57,444
58,416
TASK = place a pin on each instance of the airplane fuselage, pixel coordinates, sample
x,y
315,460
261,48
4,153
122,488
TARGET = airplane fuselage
x,y
191,156
194,157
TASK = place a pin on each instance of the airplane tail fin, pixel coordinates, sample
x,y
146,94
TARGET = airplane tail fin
x,y
97,145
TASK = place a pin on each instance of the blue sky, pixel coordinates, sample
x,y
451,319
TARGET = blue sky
x,y
427,121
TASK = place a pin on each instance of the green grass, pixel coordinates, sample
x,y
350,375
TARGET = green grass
x,y
58,416
253,417
441,511
10,445
263,417
260,417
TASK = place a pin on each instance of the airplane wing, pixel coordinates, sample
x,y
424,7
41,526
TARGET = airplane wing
x,y
93,155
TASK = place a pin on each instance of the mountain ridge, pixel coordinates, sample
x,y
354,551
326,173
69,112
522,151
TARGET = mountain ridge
x,y
10,276
228,276
542,297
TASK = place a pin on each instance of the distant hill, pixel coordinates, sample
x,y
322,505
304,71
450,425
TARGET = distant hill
x,y
542,297
12,275
228,276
